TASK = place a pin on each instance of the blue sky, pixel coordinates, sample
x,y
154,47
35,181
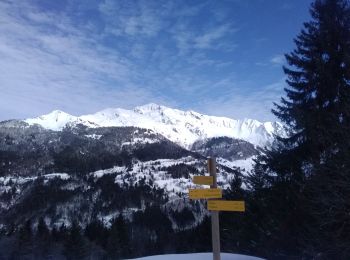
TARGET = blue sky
x,y
219,57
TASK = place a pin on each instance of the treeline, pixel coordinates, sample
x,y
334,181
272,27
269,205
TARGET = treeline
x,y
95,241
149,233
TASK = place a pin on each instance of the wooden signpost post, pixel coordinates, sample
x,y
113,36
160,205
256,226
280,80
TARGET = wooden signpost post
x,y
215,228
214,205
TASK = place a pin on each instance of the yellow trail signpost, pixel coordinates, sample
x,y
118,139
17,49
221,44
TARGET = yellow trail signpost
x,y
205,193
203,180
226,205
214,205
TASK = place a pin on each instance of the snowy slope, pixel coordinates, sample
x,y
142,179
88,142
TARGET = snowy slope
x,y
199,256
181,127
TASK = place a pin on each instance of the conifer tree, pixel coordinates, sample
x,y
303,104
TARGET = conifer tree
x,y
75,246
316,109
114,242
24,240
118,244
42,230
42,240
308,170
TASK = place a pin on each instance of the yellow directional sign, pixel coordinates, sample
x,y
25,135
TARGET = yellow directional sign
x,y
203,180
226,205
205,193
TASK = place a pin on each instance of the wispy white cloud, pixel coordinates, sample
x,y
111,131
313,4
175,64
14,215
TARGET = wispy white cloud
x,y
210,37
43,69
133,18
277,59
261,64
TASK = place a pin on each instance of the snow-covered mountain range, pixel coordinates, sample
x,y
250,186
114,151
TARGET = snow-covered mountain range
x,y
120,161
181,127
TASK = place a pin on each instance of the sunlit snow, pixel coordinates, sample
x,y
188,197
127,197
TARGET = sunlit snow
x,y
200,256
181,127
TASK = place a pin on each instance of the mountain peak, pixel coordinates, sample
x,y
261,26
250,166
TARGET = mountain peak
x,y
149,107
56,113
55,120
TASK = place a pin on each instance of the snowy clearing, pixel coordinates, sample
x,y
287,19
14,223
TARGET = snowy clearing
x,y
199,256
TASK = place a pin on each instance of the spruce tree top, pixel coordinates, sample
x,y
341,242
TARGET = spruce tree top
x,y
317,106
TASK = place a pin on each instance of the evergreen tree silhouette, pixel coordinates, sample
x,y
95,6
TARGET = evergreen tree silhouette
x,y
75,246
306,171
24,242
42,240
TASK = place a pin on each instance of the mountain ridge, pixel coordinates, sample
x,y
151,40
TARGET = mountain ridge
x,y
181,127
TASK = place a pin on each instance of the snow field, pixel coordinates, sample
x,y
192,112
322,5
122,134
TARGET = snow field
x,y
199,256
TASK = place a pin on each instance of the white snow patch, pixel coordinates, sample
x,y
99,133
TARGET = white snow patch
x,y
246,165
62,176
94,136
21,180
141,141
115,169
107,219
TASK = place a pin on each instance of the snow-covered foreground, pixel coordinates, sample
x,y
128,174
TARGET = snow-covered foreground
x,y
199,256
